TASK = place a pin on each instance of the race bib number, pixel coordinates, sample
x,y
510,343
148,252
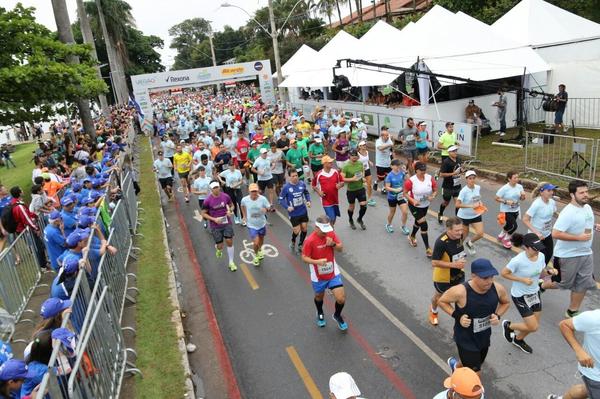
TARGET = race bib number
x,y
223,220
515,205
299,170
459,256
476,199
547,225
297,201
481,324
243,150
399,197
358,175
327,268
532,299
456,181
410,137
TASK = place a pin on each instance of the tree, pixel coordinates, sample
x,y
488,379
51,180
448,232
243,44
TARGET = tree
x,y
34,72
187,37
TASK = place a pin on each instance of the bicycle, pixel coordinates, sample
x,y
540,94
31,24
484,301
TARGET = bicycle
x,y
247,254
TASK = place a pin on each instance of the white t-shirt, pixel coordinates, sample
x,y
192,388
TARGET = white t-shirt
x,y
230,144
510,193
364,159
541,215
202,184
522,266
264,165
383,157
163,168
255,218
198,154
589,324
574,220
275,158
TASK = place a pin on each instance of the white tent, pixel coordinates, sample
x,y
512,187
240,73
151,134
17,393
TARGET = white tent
x,y
297,61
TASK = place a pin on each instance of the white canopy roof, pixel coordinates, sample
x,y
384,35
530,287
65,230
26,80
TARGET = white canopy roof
x,y
538,23
296,61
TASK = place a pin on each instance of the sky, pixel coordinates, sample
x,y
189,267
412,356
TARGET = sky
x,y
155,17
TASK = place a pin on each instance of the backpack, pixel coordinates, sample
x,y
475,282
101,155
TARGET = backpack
x,y
8,219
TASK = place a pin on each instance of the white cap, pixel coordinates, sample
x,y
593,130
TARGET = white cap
x,y
214,184
325,228
263,150
362,142
342,385
318,139
470,173
453,148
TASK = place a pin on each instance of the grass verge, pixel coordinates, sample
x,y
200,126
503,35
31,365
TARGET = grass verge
x,y
156,342
21,176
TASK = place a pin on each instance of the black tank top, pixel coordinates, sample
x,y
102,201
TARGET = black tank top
x,y
479,308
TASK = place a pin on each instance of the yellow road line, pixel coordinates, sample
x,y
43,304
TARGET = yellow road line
x,y
249,276
309,383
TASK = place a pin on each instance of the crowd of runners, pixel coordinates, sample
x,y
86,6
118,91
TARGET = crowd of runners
x,y
244,160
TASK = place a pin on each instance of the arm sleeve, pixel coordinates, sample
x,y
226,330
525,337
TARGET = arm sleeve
x,y
433,184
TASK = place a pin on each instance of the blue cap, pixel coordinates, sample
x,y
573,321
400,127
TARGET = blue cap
x,y
109,142
54,215
85,220
86,200
76,186
70,264
105,175
14,369
483,268
78,235
88,211
548,186
87,179
67,200
66,338
53,306
94,195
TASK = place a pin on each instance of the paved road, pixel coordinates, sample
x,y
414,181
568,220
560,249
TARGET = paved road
x,y
266,316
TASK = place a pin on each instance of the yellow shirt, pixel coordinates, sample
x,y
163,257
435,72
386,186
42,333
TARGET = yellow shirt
x,y
447,139
303,127
183,162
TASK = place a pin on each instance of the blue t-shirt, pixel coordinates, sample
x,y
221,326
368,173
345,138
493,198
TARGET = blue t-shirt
x,y
574,220
69,221
55,244
395,180
4,202
522,266
38,370
255,218
510,193
231,177
589,324
469,196
423,143
541,215
296,196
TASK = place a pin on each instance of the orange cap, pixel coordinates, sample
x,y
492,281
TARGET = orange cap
x,y
326,159
253,187
464,381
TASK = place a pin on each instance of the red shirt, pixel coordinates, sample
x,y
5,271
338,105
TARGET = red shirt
x,y
418,189
23,216
327,183
242,147
315,248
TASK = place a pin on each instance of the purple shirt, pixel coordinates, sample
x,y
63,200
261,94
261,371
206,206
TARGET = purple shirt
x,y
345,156
217,208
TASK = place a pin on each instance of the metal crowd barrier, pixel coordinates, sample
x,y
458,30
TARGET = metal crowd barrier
x,y
131,201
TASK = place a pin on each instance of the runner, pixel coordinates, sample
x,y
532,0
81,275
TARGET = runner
x,y
294,197
254,210
263,167
383,156
163,167
363,156
450,171
253,153
509,196
319,252
540,215
407,138
475,306
232,179
448,262
242,147
182,161
277,160
217,208
353,174
470,209
327,184
295,159
464,383
422,142
394,185
573,255
524,270
419,191
341,147
445,141
168,148
201,188
315,153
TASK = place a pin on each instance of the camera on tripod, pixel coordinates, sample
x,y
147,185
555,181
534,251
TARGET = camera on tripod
x,y
549,103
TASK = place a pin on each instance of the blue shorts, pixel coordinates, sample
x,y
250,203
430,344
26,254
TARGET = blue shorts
x,y
320,286
257,232
558,117
332,212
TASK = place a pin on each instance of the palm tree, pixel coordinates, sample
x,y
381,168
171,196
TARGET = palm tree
x,y
326,7
337,4
350,5
359,9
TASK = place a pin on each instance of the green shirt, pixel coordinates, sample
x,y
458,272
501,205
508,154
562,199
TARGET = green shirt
x,y
253,154
302,145
316,149
447,139
294,156
354,169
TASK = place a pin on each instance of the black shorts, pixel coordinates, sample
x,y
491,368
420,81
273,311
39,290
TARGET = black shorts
x,y
278,178
448,193
526,310
200,203
316,168
241,164
418,213
422,151
396,202
166,182
467,222
296,220
472,360
264,184
356,195
410,154
443,287
382,171
222,233
183,176
368,172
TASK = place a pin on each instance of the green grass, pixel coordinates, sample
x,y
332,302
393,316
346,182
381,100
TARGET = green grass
x,y
21,176
158,356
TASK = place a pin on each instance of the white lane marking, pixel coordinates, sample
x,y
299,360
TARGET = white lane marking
x,y
389,315
247,254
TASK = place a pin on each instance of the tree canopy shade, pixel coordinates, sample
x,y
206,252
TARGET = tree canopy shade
x,y
34,74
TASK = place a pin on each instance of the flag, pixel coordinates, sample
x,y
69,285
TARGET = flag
x,y
133,103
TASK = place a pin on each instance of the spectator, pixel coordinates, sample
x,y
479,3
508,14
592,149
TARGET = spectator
x,y
501,105
13,374
40,203
473,113
561,104
22,216
6,157
54,238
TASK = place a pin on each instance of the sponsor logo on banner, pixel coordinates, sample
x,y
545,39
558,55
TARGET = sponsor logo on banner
x,y
368,119
173,79
258,66
204,75
145,81
265,76
232,71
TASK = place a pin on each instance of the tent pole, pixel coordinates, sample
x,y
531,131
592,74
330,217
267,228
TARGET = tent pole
x,y
435,102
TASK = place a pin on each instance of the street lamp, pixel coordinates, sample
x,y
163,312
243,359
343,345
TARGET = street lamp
x,y
274,34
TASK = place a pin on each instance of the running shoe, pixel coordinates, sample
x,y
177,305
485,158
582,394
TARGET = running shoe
x,y
361,224
300,248
540,283
371,202
439,218
389,228
205,225
232,267
501,235
260,255
521,344
509,334
506,243
452,362
244,223
352,225
571,313
218,253
256,261
321,322
236,220
383,191
470,248
340,322
405,230
187,200
292,246
412,240
554,396
433,318
429,252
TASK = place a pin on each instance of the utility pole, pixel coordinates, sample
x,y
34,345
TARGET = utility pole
x,y
212,48
274,35
65,35
88,38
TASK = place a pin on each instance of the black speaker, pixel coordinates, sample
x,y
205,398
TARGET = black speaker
x,y
549,138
